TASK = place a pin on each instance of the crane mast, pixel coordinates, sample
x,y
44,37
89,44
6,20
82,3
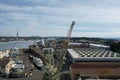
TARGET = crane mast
x,y
67,39
70,30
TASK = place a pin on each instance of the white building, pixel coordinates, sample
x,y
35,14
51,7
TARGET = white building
x,y
4,54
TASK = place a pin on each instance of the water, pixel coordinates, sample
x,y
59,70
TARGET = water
x,y
11,44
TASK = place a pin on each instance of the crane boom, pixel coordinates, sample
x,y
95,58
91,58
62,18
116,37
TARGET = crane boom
x,y
53,72
70,30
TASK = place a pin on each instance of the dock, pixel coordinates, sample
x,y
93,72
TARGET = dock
x,y
29,68
37,51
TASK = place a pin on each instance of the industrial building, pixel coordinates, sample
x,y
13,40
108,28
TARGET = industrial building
x,y
94,62
95,70
92,54
78,45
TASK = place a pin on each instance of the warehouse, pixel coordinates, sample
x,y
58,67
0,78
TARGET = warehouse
x,y
92,54
94,62
90,70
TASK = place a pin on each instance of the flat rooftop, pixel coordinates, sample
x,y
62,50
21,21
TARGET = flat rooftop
x,y
93,54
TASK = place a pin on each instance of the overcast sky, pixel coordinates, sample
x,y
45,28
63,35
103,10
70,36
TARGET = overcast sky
x,y
94,18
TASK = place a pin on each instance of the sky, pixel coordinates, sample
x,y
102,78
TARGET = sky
x,y
93,18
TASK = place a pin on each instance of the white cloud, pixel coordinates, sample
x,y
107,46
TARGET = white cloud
x,y
96,34
47,18
81,13
35,0
47,1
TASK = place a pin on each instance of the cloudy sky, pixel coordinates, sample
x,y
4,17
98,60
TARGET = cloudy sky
x,y
94,18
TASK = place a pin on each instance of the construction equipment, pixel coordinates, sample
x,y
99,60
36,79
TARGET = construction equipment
x,y
67,39
53,72
70,30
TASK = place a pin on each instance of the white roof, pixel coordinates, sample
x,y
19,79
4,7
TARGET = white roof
x,y
99,45
73,53
74,43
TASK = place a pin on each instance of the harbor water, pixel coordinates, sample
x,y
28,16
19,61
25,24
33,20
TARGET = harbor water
x,y
19,44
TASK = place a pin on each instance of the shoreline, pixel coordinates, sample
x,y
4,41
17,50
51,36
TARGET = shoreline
x,y
13,40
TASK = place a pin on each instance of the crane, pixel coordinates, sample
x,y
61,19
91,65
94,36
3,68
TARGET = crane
x,y
53,73
70,30
67,39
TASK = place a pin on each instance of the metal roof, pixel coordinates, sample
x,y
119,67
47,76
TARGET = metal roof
x,y
93,54
99,45
74,43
